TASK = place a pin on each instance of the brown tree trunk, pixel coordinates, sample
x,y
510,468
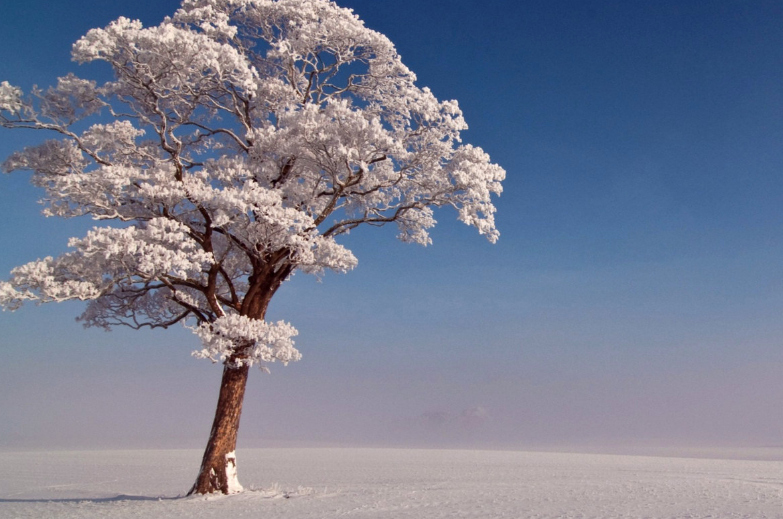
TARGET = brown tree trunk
x,y
218,471
218,467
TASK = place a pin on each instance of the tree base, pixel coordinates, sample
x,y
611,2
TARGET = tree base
x,y
218,473
219,479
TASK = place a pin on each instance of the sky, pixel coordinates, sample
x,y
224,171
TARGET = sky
x,y
634,298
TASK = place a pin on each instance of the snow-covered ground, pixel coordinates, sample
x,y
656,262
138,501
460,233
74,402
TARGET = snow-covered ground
x,y
385,483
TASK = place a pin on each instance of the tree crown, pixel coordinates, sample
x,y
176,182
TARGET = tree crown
x,y
238,140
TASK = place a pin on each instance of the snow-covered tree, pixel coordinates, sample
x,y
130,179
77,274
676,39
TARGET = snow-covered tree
x,y
237,142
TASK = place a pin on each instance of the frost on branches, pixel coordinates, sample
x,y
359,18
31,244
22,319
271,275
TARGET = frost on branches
x,y
237,142
269,341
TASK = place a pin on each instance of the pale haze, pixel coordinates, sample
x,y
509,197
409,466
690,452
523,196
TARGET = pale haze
x,y
632,302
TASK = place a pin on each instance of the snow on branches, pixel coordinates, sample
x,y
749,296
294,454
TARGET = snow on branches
x,y
262,342
237,141
10,98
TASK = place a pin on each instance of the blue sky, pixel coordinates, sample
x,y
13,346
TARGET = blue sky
x,y
634,298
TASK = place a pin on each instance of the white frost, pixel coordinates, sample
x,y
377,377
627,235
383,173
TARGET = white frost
x,y
10,98
259,341
231,474
238,141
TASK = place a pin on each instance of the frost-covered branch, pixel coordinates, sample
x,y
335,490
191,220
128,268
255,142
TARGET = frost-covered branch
x,y
238,140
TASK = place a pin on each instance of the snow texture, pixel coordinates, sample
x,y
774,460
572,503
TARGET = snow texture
x,y
382,483
231,474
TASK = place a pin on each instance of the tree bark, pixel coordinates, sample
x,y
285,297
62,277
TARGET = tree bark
x,y
218,467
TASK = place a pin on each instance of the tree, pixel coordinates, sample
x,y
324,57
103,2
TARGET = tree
x,y
238,140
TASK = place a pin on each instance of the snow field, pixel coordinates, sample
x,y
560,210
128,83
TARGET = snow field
x,y
387,483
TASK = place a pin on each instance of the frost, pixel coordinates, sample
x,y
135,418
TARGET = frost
x,y
237,142
231,474
10,98
73,99
247,341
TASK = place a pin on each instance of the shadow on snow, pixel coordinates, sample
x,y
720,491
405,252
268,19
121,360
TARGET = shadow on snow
x,y
117,498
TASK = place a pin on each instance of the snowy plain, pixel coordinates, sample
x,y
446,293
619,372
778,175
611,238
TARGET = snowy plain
x,y
389,483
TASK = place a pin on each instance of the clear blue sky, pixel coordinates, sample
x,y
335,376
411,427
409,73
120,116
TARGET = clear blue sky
x,y
634,298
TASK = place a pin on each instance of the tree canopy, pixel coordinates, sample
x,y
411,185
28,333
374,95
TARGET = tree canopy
x,y
237,141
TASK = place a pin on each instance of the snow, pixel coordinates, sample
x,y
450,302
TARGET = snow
x,y
231,474
386,483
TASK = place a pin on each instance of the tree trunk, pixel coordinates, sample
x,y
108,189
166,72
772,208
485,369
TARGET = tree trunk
x,y
218,468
